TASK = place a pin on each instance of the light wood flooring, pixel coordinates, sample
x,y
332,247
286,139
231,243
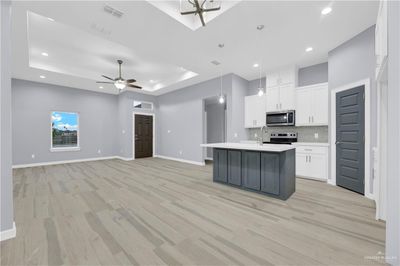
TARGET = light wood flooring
x,y
154,212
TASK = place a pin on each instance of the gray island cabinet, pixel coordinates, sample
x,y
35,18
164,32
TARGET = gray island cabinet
x,y
268,169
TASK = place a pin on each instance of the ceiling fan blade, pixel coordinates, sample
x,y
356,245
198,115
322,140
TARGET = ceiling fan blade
x,y
130,80
212,9
106,82
189,12
107,77
133,86
202,19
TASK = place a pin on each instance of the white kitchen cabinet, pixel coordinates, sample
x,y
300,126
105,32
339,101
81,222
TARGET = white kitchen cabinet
x,y
312,105
254,109
280,89
312,161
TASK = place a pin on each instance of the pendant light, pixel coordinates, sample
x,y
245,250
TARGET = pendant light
x,y
260,88
221,99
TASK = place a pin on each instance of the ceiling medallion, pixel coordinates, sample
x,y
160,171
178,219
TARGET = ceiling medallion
x,y
199,7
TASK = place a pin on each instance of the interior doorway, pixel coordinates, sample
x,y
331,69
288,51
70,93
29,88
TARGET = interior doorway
x,y
214,123
143,144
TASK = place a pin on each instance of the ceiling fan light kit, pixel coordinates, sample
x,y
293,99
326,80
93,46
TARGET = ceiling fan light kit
x,y
119,82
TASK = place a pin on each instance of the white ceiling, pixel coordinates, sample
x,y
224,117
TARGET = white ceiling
x,y
83,42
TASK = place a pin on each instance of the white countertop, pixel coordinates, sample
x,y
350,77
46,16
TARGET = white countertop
x,y
250,146
318,144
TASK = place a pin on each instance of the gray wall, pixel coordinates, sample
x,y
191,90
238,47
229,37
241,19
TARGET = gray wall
x,y
393,182
353,61
6,186
32,104
215,124
125,120
313,74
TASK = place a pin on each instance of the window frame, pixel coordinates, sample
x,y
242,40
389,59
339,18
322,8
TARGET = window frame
x,y
61,149
136,108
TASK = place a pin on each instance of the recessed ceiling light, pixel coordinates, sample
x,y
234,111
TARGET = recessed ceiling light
x,y
256,65
100,87
45,54
42,77
221,45
152,81
309,49
326,10
260,27
51,19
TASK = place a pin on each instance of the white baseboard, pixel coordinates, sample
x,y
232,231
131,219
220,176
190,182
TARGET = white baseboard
x,y
64,162
124,158
7,234
179,160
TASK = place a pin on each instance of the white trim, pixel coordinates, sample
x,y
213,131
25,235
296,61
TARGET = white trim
x,y
179,160
7,234
124,158
367,106
66,161
133,131
61,149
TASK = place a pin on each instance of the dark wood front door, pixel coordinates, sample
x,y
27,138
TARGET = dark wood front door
x,y
350,130
143,136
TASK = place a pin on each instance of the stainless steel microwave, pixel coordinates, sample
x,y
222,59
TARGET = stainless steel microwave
x,y
281,118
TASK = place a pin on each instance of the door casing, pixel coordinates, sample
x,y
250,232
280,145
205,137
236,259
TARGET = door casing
x,y
367,143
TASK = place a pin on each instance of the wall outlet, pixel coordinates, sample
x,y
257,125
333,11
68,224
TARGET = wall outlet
x,y
255,135
180,152
123,131
33,156
98,151
235,135
316,135
168,131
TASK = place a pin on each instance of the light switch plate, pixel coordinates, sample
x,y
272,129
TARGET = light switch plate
x,y
316,136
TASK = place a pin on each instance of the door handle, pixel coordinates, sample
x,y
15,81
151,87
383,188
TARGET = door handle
x,y
337,142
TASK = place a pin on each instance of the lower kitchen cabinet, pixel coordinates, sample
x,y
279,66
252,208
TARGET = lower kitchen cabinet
x,y
312,162
235,167
220,169
251,169
270,173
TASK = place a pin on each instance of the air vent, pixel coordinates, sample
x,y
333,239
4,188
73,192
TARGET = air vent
x,y
113,11
215,62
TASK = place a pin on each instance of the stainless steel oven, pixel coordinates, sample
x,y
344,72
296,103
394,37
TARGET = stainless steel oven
x,y
281,118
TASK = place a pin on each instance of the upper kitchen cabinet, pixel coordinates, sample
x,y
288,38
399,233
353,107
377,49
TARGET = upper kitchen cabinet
x,y
312,105
381,38
280,89
254,111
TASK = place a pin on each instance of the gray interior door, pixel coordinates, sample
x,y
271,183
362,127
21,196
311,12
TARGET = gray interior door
x,y
350,134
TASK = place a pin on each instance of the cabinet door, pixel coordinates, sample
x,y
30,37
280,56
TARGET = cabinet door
x,y
260,103
272,79
287,76
318,166
251,170
302,168
270,173
248,112
234,167
287,97
303,107
319,112
273,99
220,165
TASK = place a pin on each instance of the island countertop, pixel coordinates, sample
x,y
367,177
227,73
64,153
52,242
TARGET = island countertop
x,y
250,146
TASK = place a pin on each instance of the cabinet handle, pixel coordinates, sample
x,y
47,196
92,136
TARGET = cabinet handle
x,y
312,119
309,159
276,106
306,158
309,119
280,106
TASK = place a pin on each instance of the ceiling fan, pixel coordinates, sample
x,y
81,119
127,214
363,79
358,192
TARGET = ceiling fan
x,y
200,8
119,82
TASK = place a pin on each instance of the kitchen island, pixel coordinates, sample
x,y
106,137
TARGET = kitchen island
x,y
269,169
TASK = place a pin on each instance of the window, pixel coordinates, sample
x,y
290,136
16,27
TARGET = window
x,y
64,131
142,105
